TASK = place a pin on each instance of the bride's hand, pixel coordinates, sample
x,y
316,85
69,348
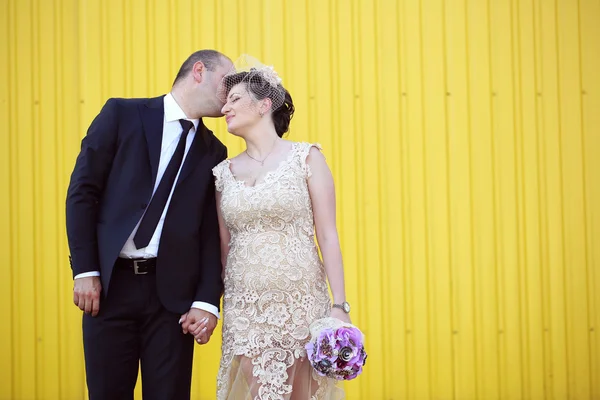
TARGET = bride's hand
x,y
340,314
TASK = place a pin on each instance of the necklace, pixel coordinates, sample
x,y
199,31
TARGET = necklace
x,y
262,162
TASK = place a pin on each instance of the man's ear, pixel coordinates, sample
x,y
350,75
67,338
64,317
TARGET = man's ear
x,y
198,70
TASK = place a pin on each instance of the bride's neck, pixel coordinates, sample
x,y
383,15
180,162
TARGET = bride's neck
x,y
261,143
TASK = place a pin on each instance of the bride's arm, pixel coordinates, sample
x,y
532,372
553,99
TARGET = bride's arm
x,y
322,196
223,234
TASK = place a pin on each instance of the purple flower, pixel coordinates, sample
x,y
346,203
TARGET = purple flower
x,y
349,335
337,353
310,348
354,373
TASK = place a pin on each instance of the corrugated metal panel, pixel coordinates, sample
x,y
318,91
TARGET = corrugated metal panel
x,y
463,136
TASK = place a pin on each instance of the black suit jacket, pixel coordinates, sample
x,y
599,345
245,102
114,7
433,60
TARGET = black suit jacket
x,y
112,184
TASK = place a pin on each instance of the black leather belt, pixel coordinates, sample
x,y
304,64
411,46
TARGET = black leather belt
x,y
139,266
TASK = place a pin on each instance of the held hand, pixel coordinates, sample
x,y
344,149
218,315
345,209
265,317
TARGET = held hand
x,y
202,337
340,314
199,323
86,294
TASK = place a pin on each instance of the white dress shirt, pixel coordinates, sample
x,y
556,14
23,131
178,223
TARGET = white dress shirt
x,y
171,133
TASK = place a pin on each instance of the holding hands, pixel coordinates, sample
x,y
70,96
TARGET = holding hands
x,y
198,323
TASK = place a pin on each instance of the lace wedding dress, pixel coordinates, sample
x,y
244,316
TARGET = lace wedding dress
x,y
275,285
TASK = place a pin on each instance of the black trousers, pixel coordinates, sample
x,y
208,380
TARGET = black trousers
x,y
133,327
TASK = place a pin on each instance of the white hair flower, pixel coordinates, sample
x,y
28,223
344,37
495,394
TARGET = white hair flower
x,y
270,75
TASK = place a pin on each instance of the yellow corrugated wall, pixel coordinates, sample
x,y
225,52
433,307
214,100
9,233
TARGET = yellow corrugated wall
x,y
464,137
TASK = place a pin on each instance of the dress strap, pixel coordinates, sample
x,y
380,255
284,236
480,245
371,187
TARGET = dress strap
x,y
218,172
304,151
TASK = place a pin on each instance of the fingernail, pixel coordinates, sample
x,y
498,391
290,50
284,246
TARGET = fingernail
x,y
205,319
180,320
203,330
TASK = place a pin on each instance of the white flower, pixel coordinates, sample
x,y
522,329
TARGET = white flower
x,y
270,75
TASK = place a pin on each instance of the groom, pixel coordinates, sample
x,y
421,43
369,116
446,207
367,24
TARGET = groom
x,y
143,235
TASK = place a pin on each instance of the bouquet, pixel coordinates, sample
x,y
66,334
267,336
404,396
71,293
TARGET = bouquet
x,y
336,349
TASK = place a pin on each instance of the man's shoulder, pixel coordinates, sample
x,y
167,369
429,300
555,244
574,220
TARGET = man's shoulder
x,y
218,146
217,141
213,141
128,101
132,102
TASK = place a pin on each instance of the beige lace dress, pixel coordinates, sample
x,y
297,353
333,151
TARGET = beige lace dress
x,y
275,285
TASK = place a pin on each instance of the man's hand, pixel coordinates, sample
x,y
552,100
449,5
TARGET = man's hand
x,y
86,294
199,323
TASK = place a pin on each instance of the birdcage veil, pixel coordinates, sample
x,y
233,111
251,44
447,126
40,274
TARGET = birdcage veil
x,y
262,81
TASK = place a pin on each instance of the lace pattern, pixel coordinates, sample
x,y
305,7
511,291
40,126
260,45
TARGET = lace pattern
x,y
275,283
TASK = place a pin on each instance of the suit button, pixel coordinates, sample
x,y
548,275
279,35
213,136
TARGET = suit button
x,y
144,206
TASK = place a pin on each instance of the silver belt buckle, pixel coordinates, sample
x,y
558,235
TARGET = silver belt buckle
x,y
136,267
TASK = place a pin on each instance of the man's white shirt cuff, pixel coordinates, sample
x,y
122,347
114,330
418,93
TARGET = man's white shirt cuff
x,y
87,274
206,307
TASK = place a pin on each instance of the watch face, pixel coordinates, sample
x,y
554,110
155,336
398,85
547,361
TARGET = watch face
x,y
346,307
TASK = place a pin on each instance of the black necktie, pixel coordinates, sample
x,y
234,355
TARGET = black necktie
x,y
157,204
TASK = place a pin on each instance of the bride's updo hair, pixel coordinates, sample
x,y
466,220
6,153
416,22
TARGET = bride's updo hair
x,y
260,88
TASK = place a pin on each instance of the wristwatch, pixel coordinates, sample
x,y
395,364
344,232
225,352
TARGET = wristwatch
x,y
345,306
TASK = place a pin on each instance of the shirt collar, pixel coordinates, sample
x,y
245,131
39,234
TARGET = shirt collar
x,y
174,113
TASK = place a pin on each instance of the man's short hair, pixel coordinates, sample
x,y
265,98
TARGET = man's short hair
x,y
210,58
